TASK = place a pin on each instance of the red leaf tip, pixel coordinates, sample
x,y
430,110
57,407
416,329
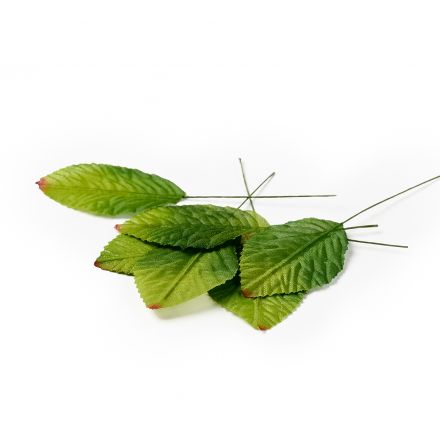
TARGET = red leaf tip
x,y
262,328
118,228
42,183
154,306
247,293
97,264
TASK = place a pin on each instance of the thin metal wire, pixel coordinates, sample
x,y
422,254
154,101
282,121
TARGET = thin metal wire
x,y
389,198
246,185
257,188
379,244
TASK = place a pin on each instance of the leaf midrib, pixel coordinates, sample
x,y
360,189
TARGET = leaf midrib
x,y
218,235
80,188
188,266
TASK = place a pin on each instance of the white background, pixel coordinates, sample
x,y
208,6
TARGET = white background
x,y
340,96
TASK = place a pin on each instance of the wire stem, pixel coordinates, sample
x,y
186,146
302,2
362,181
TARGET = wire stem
x,y
260,197
379,244
258,187
363,226
389,198
246,185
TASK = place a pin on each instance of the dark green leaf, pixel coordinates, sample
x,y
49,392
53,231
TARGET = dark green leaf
x,y
294,257
198,226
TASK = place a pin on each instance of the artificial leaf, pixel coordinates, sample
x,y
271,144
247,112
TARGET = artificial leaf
x,y
122,253
166,277
108,190
294,257
198,226
261,313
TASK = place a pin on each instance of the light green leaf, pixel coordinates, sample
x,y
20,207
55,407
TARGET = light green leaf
x,y
166,277
198,226
122,253
294,257
261,313
108,190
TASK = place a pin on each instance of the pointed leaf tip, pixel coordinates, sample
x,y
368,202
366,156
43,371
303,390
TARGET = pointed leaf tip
x,y
263,328
42,183
121,254
247,293
118,227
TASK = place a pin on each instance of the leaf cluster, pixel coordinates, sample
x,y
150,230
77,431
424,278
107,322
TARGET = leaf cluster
x,y
175,253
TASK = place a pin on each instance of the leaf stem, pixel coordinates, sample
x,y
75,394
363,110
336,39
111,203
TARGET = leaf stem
x,y
363,226
258,187
379,244
389,198
246,185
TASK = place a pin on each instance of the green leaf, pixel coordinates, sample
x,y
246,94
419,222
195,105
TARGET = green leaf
x,y
261,313
122,253
166,277
198,226
108,190
294,257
